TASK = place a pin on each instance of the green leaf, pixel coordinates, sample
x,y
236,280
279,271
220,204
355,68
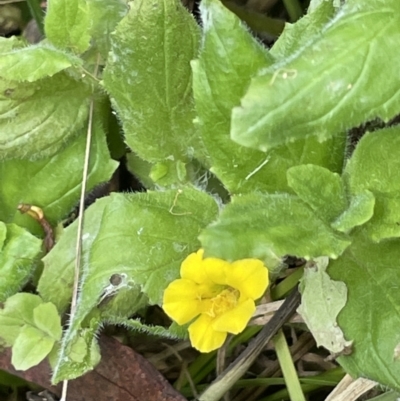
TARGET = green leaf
x,y
146,254
321,302
46,319
162,230
371,317
374,166
321,189
53,183
270,226
321,95
18,252
36,119
105,15
360,210
307,28
150,55
16,313
30,348
220,79
67,24
34,62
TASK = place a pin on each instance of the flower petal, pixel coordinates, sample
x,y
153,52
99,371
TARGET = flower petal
x,y
216,270
203,337
235,320
192,267
249,276
180,301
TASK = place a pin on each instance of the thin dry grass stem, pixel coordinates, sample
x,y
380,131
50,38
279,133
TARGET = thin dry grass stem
x,y
78,250
264,313
184,370
350,389
221,362
304,343
169,350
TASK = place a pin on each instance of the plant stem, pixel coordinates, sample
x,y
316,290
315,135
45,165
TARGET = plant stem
x,y
37,13
288,369
294,9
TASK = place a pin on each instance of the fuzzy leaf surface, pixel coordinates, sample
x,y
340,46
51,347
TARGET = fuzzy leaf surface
x,y
33,63
311,93
22,181
220,79
18,251
105,16
294,36
36,119
150,55
67,24
371,317
261,226
375,167
321,189
147,253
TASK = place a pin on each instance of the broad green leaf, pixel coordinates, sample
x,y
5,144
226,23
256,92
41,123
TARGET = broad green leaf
x,y
322,299
30,348
149,79
16,313
8,44
360,210
311,93
53,183
162,230
220,79
37,119
47,320
375,166
67,24
266,226
321,189
146,253
307,28
371,317
34,62
18,252
316,5
105,15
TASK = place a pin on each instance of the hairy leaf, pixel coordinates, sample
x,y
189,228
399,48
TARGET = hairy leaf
x,y
304,30
329,85
264,226
220,78
67,24
371,317
105,15
18,251
33,63
162,230
149,79
360,210
321,189
375,167
53,183
37,119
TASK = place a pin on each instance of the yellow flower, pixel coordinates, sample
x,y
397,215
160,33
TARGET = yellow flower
x,y
219,294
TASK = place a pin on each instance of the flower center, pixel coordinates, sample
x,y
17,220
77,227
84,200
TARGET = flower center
x,y
224,301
